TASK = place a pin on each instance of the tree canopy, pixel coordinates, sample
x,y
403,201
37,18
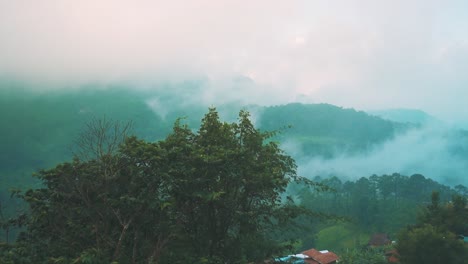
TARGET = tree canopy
x,y
214,195
435,238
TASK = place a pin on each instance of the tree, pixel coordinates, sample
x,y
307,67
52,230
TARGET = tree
x,y
434,238
108,204
461,190
452,217
228,182
428,244
211,196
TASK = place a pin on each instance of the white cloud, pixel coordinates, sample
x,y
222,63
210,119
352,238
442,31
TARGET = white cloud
x,y
355,53
428,151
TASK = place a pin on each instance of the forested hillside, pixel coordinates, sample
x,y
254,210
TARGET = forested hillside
x,y
373,204
40,130
323,129
197,197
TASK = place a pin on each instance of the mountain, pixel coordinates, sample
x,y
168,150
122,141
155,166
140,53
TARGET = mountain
x,y
39,129
413,116
324,129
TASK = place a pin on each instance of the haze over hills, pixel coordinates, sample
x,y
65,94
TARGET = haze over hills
x,y
366,97
324,139
340,147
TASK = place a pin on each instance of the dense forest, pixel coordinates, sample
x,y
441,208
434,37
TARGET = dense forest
x,y
323,129
122,177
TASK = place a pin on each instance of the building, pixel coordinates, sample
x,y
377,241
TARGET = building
x,y
311,256
321,257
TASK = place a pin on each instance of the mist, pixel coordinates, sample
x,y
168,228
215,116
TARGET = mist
x,y
358,53
437,152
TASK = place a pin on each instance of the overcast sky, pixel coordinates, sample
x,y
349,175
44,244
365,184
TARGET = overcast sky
x,y
366,54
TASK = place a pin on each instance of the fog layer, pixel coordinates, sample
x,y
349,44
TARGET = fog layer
x,y
437,153
354,53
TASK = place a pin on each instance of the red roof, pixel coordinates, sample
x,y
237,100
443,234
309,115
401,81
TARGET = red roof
x,y
320,257
310,261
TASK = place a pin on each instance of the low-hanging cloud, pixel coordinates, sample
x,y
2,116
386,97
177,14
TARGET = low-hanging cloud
x,y
354,53
430,150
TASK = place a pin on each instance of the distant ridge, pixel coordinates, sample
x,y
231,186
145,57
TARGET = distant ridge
x,y
402,115
322,129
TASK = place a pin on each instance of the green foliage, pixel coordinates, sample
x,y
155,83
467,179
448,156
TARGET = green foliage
x,y
232,189
200,168
363,256
429,244
341,236
452,217
42,126
322,129
434,238
376,204
208,197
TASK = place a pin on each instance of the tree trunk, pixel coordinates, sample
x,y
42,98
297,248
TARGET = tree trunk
x,y
119,244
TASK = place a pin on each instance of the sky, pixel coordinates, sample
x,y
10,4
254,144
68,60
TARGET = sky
x,y
365,54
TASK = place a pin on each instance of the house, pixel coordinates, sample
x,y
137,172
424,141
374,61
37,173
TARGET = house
x,y
379,240
321,257
311,256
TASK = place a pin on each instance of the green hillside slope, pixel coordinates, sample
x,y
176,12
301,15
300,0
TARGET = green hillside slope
x,y
323,129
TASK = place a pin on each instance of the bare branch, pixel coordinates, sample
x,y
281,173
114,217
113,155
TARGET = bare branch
x,y
101,138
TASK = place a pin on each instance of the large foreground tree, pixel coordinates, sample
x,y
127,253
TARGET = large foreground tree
x,y
215,195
